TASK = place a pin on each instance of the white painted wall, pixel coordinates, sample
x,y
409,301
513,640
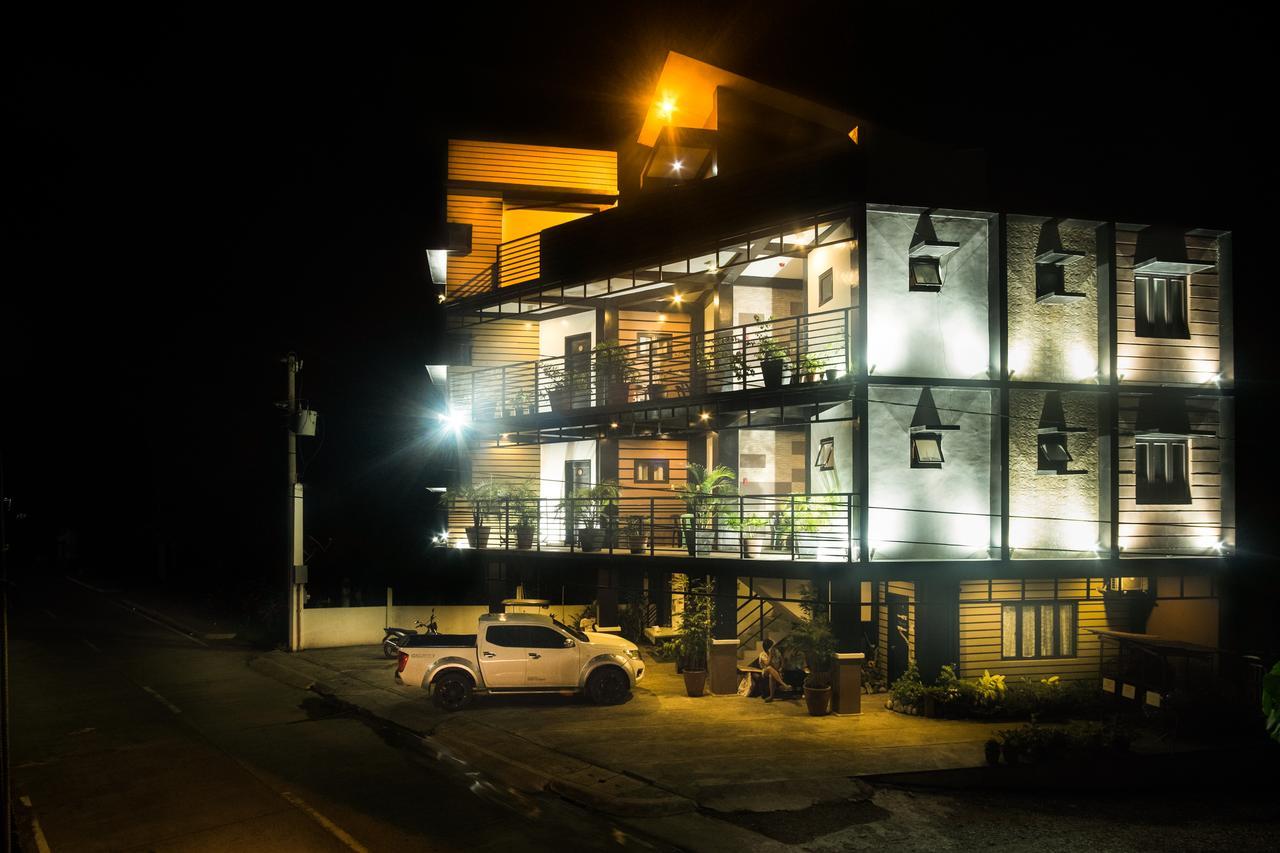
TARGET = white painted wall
x,y
839,480
551,333
944,334
957,497
838,259
552,488
332,627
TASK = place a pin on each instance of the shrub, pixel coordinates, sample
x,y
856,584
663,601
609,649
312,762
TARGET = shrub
x,y
908,689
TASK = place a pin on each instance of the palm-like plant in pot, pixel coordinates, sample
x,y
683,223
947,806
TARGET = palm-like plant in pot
x,y
483,500
522,505
635,534
614,373
812,637
772,354
693,642
703,492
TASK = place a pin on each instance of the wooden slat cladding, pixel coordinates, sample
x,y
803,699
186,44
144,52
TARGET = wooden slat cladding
x,y
577,170
505,465
1183,529
484,214
631,323
500,342
981,626
677,456
1191,361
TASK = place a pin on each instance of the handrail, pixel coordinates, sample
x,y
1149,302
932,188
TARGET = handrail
x,y
664,368
515,262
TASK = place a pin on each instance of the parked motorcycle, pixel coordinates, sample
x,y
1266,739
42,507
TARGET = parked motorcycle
x,y
393,637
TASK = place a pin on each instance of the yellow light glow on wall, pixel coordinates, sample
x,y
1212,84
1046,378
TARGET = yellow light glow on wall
x,y
1084,365
1019,355
666,107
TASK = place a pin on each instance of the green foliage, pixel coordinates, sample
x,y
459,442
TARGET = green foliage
x,y
484,499
813,638
1034,743
1271,701
874,677
809,364
767,347
908,689
613,363
693,643
705,491
522,500
634,616
592,505
728,355
635,526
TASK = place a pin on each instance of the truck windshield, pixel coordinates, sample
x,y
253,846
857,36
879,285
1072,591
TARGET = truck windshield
x,y
572,632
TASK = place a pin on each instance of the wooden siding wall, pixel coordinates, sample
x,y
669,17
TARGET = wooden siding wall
x,y
908,589
666,507
980,627
631,323
500,342
578,170
1155,529
1162,360
483,212
505,465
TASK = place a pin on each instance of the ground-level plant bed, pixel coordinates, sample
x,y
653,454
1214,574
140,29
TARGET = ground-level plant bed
x,y
995,697
1035,743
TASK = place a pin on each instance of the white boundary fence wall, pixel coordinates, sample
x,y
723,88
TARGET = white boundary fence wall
x,y
331,627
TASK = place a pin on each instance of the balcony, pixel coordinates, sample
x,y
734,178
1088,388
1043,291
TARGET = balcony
x,y
517,261
813,347
767,527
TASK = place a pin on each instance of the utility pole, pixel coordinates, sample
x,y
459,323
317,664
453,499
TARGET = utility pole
x,y
6,763
297,578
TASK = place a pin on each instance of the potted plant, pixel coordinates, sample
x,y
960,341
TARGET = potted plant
x,y
522,401
812,637
802,518
604,496
1126,609
729,359
751,534
702,492
635,534
808,370
522,502
614,373
772,354
693,642
991,750
484,499
832,373
559,394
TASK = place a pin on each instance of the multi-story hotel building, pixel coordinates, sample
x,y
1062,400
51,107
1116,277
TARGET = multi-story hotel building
x,y
1000,438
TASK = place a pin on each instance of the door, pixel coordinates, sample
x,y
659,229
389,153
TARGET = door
x,y
577,475
550,662
503,658
577,367
899,634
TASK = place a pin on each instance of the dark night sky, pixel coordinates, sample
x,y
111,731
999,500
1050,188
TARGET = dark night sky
x,y
191,198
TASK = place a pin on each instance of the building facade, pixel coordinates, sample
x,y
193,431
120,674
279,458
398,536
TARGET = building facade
x,y
994,438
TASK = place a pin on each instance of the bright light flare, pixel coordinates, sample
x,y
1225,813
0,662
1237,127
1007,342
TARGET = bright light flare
x,y
455,420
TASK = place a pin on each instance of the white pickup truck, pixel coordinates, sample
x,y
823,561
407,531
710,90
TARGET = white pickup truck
x,y
520,653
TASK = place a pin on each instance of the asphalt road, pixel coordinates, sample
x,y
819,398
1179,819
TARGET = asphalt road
x,y
127,735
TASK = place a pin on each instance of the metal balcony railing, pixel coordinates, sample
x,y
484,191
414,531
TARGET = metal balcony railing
x,y
807,348
518,261
778,527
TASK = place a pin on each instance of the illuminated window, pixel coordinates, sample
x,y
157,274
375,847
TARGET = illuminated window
x,y
1161,471
1051,455
826,287
864,597
925,274
1041,630
1160,309
657,344
651,471
926,450
826,454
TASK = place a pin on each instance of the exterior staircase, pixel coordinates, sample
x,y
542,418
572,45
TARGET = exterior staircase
x,y
761,614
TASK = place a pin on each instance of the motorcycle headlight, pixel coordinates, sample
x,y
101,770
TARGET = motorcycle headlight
x,y
634,654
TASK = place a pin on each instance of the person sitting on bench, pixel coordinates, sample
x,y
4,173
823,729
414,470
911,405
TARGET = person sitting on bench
x,y
770,663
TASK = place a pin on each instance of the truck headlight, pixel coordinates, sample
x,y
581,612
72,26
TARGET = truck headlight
x,y
634,654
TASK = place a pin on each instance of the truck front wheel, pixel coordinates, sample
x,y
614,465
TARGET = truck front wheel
x,y
453,691
608,686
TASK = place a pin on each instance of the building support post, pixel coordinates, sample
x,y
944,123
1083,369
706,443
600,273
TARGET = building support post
x,y
937,626
295,586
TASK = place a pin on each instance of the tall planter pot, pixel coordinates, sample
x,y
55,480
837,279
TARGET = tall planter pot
x,y
478,537
818,700
772,372
561,400
524,538
590,538
1127,611
695,682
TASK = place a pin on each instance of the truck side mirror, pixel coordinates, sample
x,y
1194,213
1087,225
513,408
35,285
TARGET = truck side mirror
x,y
569,643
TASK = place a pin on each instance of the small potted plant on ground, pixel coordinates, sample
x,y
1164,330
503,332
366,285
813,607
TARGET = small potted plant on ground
x,y
635,534
693,642
808,370
522,401
812,637
614,373
483,501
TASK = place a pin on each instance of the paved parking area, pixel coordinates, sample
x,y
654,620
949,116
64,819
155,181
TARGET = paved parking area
x,y
684,744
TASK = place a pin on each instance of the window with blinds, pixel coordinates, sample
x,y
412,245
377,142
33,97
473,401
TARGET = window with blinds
x,y
1161,471
1044,629
1160,307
